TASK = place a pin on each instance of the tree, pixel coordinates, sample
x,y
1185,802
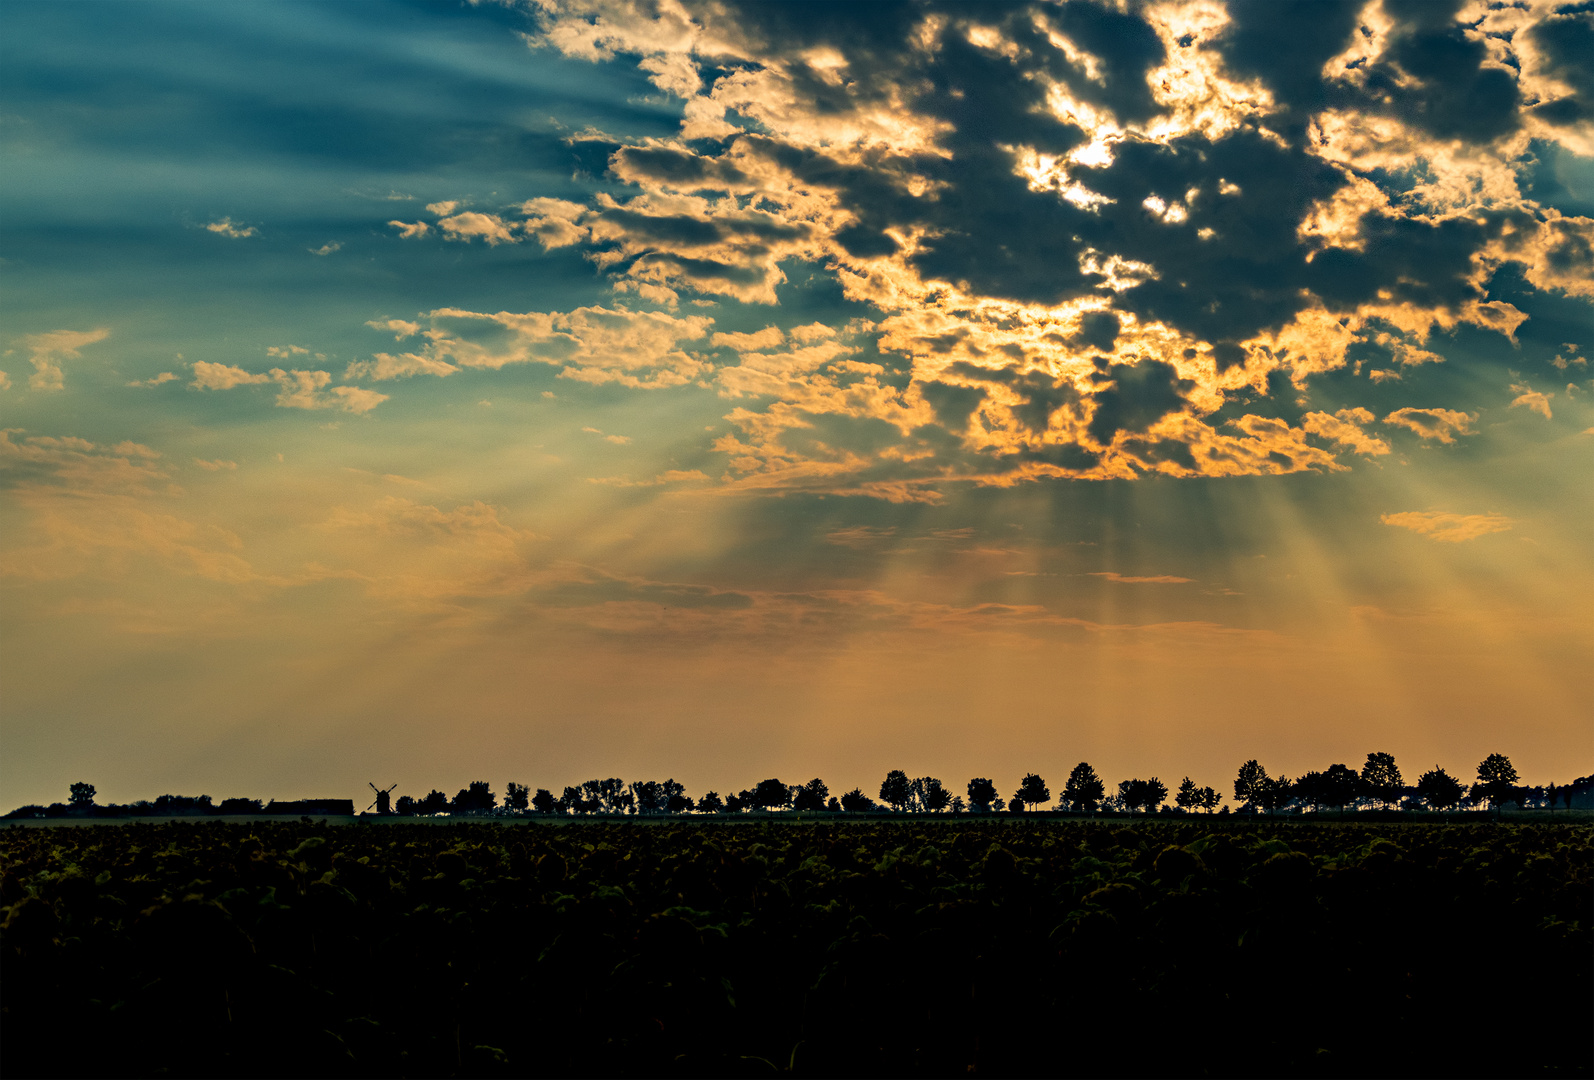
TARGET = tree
x,y
544,802
1251,785
957,806
855,801
1439,789
1381,778
1156,793
1084,789
648,796
240,806
1188,796
574,800
833,806
735,804
896,790
478,797
434,803
771,795
405,805
517,797
679,803
811,796
1339,787
1033,791
1309,788
1277,793
982,793
1497,779
929,794
1015,805
82,795
1210,799
710,803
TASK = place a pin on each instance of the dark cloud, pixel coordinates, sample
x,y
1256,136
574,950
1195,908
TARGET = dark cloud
x,y
1566,40
1286,45
1138,396
953,404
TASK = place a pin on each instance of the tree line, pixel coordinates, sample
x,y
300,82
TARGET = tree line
x,y
1377,785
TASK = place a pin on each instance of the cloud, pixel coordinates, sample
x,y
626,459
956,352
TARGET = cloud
x,y
225,227
1081,241
212,376
474,226
1448,528
860,536
216,466
1345,428
1161,579
297,389
47,350
1441,424
1527,397
158,380
327,248
78,466
589,344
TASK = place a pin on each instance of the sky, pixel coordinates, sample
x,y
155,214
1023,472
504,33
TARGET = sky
x,y
426,392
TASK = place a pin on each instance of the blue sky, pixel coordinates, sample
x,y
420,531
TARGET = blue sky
x,y
624,388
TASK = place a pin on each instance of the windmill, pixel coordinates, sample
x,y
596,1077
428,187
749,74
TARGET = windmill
x,y
384,800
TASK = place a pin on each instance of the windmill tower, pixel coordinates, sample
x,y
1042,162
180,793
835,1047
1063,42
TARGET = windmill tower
x,y
384,800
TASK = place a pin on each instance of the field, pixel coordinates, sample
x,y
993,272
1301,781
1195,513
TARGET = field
x,y
917,947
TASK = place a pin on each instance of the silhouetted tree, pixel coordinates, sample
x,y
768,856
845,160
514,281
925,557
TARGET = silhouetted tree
x,y
1033,790
1339,786
982,793
1251,785
957,806
405,805
1439,789
710,803
1210,799
928,794
574,800
811,796
434,803
1309,788
896,790
1188,796
543,802
771,795
174,804
240,806
1552,793
1015,805
1276,793
679,803
855,801
610,795
1381,778
1497,779
478,797
1144,795
1084,789
82,795
833,806
648,796
517,796
735,804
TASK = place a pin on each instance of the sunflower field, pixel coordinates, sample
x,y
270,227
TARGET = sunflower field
x,y
808,947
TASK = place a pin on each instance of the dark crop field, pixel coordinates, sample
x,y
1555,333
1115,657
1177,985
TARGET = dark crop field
x,y
919,947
